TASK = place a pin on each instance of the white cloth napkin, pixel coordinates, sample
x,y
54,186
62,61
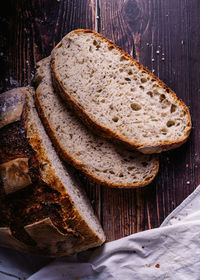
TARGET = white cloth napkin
x,y
171,251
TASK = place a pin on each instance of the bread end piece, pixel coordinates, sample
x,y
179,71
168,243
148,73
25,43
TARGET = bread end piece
x,y
49,214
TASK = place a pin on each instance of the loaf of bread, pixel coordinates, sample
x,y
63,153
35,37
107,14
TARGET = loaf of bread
x,y
116,96
42,208
101,160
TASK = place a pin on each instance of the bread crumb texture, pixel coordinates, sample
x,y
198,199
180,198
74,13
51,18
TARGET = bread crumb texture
x,y
107,163
118,93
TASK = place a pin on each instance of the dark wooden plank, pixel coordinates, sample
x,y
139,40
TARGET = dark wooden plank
x,y
30,29
162,35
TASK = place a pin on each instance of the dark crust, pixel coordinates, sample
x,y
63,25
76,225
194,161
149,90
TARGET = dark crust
x,y
105,131
38,200
14,144
33,204
68,158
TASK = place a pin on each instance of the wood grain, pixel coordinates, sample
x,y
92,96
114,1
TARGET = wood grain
x,y
162,35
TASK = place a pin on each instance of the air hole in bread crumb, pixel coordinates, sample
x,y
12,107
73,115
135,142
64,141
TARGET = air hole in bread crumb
x,y
173,108
130,72
135,106
96,44
131,168
121,70
162,97
103,101
141,87
144,163
167,90
111,107
115,119
99,90
145,135
112,172
127,79
164,131
121,175
123,58
132,89
90,49
110,48
148,178
92,72
143,80
170,123
150,93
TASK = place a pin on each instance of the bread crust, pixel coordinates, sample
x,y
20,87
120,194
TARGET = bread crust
x,y
78,165
103,130
44,200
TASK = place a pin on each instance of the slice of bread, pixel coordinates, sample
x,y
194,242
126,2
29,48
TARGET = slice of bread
x,y
101,160
42,208
116,96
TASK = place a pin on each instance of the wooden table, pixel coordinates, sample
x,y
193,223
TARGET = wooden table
x,y
161,34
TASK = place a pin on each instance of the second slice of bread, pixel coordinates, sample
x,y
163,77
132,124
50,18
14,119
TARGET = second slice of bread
x,y
101,160
116,95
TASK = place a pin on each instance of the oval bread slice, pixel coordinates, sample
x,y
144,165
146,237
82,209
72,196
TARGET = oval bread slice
x,y
101,160
116,96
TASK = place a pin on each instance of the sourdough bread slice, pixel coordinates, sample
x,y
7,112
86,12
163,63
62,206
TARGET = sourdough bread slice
x,y
42,208
116,96
101,160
